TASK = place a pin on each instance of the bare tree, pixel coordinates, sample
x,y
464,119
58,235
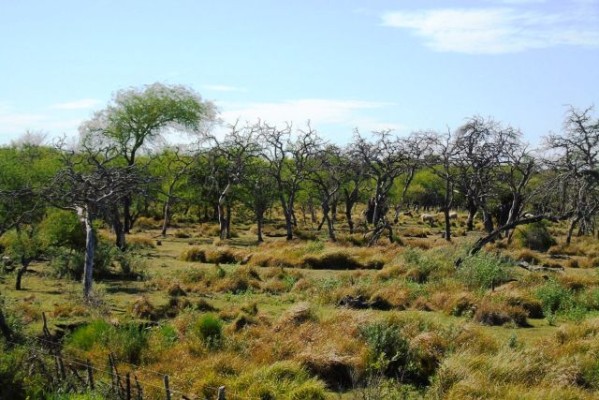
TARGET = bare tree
x,y
229,160
287,161
173,166
576,164
90,183
326,171
353,180
385,159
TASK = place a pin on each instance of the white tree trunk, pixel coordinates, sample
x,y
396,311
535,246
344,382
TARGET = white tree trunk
x,y
90,245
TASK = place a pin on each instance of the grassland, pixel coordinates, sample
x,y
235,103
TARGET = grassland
x,y
311,319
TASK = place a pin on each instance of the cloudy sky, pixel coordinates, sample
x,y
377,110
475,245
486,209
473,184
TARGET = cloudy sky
x,y
370,65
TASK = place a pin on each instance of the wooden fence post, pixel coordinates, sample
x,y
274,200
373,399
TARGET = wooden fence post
x,y
221,393
90,375
167,388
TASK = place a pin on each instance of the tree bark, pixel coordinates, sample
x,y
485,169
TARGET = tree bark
x,y
90,246
260,224
4,328
167,217
21,271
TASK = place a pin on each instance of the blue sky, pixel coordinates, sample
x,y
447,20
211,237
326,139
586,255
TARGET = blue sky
x,y
402,65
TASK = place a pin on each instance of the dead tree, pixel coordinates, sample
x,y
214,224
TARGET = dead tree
x,y
575,161
287,162
91,182
325,172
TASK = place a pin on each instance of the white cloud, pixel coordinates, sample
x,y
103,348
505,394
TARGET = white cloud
x,y
317,110
497,30
224,88
334,118
76,105
14,124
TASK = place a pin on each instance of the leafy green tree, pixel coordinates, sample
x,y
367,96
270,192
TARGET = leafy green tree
x,y
138,118
26,171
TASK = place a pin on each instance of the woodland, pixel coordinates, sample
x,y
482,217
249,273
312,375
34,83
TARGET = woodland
x,y
165,255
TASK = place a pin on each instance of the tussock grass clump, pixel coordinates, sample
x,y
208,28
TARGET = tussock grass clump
x,y
147,223
283,379
533,307
143,308
497,314
297,315
139,242
335,261
194,253
209,328
528,256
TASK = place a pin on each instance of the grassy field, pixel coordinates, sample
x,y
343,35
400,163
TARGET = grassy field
x,y
311,319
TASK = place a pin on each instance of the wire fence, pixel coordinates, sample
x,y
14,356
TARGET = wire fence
x,y
75,375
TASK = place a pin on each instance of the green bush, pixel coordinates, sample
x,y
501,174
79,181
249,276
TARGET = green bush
x,y
127,342
61,228
420,263
66,263
535,236
554,297
482,271
85,337
388,349
209,327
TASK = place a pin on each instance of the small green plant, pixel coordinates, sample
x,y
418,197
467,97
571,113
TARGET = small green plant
x,y
209,327
85,337
389,350
482,271
554,297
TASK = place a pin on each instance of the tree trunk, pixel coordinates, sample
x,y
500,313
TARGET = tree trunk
x,y
260,224
488,221
4,328
222,221
472,208
21,271
228,223
571,229
167,216
90,246
331,227
128,220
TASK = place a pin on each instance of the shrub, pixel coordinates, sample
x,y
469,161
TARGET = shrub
x,y
61,228
419,263
67,263
388,349
85,337
129,342
209,327
535,236
482,271
554,297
